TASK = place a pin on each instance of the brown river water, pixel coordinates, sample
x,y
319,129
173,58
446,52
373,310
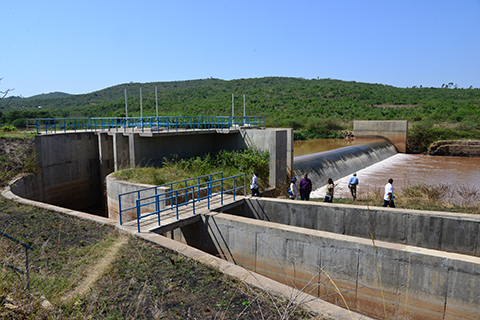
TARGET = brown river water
x,y
461,173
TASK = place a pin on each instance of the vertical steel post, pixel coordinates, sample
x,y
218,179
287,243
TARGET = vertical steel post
x,y
244,110
126,107
156,100
137,202
141,106
26,268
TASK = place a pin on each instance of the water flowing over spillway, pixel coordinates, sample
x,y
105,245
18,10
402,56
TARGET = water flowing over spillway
x,y
341,162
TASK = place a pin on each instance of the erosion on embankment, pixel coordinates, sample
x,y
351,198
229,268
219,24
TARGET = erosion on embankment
x,y
462,148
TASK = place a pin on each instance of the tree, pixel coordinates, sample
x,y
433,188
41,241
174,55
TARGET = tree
x,y
3,94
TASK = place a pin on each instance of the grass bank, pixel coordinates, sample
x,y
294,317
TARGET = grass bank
x,y
83,270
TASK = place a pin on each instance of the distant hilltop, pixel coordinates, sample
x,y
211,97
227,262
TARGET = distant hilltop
x,y
55,94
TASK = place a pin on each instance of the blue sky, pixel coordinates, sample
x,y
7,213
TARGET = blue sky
x,y
84,46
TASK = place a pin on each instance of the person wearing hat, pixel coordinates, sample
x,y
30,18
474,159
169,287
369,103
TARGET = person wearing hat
x,y
293,192
352,185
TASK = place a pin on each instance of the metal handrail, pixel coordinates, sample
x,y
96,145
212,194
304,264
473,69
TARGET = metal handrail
x,y
27,247
135,124
156,188
188,194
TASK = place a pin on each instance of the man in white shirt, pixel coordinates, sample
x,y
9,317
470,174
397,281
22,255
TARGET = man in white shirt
x,y
254,185
388,198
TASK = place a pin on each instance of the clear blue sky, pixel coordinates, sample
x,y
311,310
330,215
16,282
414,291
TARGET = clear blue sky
x,y
83,46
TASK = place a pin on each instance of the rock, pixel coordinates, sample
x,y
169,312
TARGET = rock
x,y
459,148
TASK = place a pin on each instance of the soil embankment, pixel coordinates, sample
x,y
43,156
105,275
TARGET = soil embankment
x,y
459,148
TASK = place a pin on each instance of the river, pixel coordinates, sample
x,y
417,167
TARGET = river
x,y
462,173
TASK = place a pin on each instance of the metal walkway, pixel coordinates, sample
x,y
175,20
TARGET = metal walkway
x,y
185,216
157,207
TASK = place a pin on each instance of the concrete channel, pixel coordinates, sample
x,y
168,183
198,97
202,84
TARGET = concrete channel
x,y
379,262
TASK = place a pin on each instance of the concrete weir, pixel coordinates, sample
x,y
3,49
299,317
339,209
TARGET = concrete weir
x,y
325,249
341,162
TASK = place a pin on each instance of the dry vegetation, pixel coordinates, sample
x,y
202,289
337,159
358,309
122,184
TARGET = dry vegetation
x,y
83,270
443,197
79,269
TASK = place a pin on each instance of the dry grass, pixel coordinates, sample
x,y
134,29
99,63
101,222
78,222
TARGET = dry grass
x,y
452,197
72,276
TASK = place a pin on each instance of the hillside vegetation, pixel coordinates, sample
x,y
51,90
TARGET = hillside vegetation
x,y
315,108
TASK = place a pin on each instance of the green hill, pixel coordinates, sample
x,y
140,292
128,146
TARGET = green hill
x,y
315,105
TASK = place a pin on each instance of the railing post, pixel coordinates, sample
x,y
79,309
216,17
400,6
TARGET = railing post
x,y
234,188
244,184
26,268
138,214
193,198
120,208
209,187
176,202
157,207
221,191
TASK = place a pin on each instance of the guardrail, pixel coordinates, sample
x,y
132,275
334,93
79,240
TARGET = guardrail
x,y
127,200
151,124
27,247
173,199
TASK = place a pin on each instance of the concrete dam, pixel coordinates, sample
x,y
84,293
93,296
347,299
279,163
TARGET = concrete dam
x,y
373,262
341,162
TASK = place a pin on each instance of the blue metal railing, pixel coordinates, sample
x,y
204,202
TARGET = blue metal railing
x,y
155,190
151,124
26,247
173,199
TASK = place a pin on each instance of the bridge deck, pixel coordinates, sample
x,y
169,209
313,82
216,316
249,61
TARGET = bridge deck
x,y
169,221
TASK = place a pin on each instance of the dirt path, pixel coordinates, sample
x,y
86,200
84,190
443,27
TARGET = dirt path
x,y
97,270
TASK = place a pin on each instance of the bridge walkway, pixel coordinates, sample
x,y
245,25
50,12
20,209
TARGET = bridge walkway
x,y
169,220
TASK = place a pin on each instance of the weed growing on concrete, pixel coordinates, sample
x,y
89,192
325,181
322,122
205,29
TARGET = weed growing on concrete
x,y
231,163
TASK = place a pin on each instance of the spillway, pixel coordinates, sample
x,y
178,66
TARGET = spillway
x,y
341,162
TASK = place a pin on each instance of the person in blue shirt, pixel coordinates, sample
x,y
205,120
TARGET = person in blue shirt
x,y
352,185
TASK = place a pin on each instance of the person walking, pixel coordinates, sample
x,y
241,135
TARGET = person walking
x,y
329,191
254,185
352,185
292,191
388,197
305,187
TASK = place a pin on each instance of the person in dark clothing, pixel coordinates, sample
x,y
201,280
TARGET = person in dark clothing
x,y
305,188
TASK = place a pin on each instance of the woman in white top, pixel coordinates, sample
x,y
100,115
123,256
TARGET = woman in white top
x,y
293,189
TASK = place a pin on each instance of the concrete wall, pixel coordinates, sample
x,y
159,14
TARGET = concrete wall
x,y
395,131
424,284
116,187
452,232
279,143
70,170
73,165
153,149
